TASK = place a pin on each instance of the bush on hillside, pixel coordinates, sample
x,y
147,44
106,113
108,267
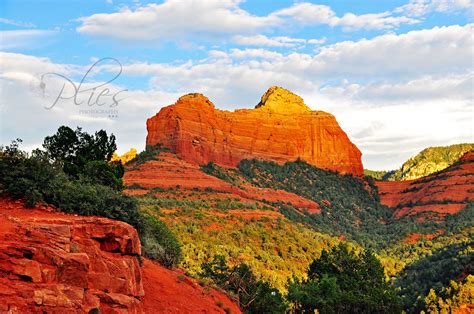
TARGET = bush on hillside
x,y
36,179
159,243
74,149
151,152
251,294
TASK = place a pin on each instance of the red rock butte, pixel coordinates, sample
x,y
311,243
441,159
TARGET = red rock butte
x,y
281,128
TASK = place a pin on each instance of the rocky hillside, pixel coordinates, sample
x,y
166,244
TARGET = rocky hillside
x,y
444,192
51,262
428,161
281,128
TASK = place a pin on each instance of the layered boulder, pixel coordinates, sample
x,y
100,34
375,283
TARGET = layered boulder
x,y
51,262
281,128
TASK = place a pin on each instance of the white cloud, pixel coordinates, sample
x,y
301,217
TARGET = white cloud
x,y
23,113
313,14
278,41
175,18
15,23
378,21
423,7
308,14
262,40
317,41
433,51
254,53
29,38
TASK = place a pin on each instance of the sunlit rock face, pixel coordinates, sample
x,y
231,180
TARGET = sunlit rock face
x,y
281,128
51,262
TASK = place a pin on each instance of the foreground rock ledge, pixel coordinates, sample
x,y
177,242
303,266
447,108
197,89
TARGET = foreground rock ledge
x,y
281,128
57,263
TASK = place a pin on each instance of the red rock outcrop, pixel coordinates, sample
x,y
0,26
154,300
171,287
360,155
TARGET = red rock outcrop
x,y
281,128
445,192
51,262
56,263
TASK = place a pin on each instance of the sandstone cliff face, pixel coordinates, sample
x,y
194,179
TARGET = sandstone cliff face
x,y
281,128
56,263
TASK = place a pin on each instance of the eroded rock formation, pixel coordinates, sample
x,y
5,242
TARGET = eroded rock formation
x,y
432,197
281,128
56,263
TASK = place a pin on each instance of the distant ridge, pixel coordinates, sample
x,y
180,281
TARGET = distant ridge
x,y
428,161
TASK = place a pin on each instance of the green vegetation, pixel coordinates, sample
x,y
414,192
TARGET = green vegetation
x,y
67,176
83,154
228,175
342,281
150,153
251,294
275,249
428,161
451,298
159,243
381,175
349,206
40,178
434,271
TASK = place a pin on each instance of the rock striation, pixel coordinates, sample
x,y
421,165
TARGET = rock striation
x,y
281,128
56,263
432,197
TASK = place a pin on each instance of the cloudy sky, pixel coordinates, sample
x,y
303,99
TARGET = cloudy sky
x,y
398,75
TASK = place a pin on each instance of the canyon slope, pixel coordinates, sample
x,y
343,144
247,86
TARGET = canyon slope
x,y
434,196
430,160
426,162
51,262
281,128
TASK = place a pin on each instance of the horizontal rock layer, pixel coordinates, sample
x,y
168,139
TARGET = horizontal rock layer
x,y
432,197
56,263
282,128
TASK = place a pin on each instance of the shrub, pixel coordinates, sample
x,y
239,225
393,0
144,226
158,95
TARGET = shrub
x,y
104,173
159,243
150,153
92,199
252,295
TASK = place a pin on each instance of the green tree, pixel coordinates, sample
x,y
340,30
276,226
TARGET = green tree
x,y
342,281
73,149
251,294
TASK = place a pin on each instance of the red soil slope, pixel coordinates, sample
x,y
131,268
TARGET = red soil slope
x,y
51,262
444,192
169,171
169,291
281,128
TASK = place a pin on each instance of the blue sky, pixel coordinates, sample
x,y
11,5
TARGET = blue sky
x,y
398,75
